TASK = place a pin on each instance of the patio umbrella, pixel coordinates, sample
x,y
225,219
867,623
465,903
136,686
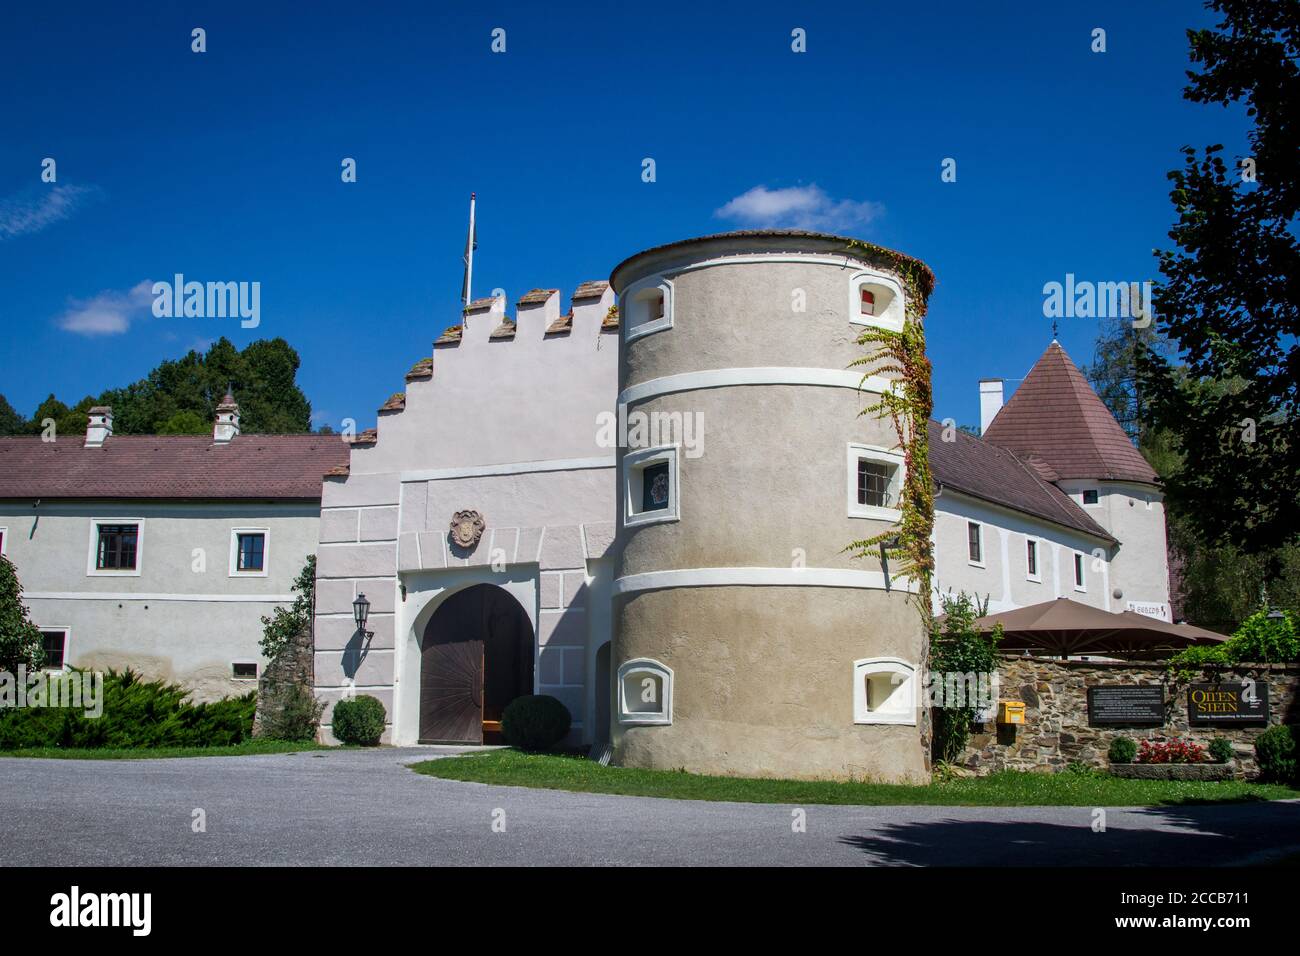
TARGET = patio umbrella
x,y
1064,627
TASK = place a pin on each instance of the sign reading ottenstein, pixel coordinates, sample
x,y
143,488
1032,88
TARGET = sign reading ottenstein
x,y
1237,702
1126,704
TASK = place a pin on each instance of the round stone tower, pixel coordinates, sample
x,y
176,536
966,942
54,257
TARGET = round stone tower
x,y
746,640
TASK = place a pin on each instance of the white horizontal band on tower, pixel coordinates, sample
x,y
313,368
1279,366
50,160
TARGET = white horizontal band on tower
x,y
769,375
758,577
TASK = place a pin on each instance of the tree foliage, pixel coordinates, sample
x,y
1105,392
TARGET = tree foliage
x,y
285,624
957,647
20,640
180,396
1230,298
11,423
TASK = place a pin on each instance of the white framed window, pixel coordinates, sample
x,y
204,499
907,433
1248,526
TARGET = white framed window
x,y
1090,497
884,691
1033,557
54,641
4,540
647,307
1080,583
116,547
650,486
876,299
875,482
975,543
250,552
645,692
243,670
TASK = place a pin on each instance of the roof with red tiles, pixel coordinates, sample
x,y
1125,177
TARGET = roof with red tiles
x,y
983,470
561,326
1056,416
506,330
537,296
169,467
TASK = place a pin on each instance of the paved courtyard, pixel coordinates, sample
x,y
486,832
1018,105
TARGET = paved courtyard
x,y
365,807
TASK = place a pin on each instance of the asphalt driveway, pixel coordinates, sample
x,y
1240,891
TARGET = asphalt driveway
x,y
366,807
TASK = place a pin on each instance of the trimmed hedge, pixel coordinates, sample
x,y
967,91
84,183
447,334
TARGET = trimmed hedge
x,y
1221,750
359,720
136,713
535,722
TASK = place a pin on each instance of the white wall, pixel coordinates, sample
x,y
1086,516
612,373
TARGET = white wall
x,y
1004,579
183,617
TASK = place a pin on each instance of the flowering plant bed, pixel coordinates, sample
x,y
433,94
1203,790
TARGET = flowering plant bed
x,y
1174,751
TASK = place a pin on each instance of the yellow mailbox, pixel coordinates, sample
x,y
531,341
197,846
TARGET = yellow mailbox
x,y
1011,712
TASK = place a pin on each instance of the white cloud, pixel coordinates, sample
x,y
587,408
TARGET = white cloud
x,y
34,209
109,313
799,207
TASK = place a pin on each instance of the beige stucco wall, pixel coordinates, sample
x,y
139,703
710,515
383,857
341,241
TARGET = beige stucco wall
x,y
763,675
183,618
763,681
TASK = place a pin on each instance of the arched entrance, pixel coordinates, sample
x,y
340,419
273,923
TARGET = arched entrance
x,y
476,656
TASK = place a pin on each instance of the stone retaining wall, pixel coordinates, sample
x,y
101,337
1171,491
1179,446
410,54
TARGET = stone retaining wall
x,y
1056,730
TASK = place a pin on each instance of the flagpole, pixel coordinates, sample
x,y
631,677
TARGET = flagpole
x,y
469,253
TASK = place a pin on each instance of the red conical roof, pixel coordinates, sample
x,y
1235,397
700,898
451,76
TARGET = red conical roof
x,y
1056,416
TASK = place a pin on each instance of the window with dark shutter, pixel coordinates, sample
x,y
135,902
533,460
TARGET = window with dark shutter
x,y
117,547
54,643
655,487
251,551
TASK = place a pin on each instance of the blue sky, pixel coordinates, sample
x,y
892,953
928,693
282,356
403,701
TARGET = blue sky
x,y
226,165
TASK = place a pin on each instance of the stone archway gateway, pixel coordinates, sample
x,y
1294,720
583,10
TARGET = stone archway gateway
x,y
476,656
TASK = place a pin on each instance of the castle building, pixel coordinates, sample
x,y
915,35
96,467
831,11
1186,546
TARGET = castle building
x,y
641,507
161,552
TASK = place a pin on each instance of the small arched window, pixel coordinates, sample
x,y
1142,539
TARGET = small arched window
x,y
645,692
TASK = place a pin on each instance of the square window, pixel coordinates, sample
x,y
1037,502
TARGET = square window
x,y
55,644
117,547
647,307
875,481
251,549
877,300
650,480
1090,496
974,542
645,692
884,691
241,670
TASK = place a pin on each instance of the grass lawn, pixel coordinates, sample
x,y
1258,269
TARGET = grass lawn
x,y
154,753
1010,788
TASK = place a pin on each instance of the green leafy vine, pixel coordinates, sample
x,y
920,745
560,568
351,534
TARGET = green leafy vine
x,y
908,405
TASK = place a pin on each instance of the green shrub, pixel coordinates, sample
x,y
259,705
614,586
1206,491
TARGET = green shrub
x,y
1275,753
1122,750
135,713
1259,640
295,716
1221,750
535,722
359,721
958,648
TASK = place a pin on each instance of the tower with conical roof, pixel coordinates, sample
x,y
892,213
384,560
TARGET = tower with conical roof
x,y
1057,423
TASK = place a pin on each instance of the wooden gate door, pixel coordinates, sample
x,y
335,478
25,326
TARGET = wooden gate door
x,y
451,672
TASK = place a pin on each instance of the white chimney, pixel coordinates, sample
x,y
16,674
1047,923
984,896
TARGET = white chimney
x,y
990,401
227,426
99,426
